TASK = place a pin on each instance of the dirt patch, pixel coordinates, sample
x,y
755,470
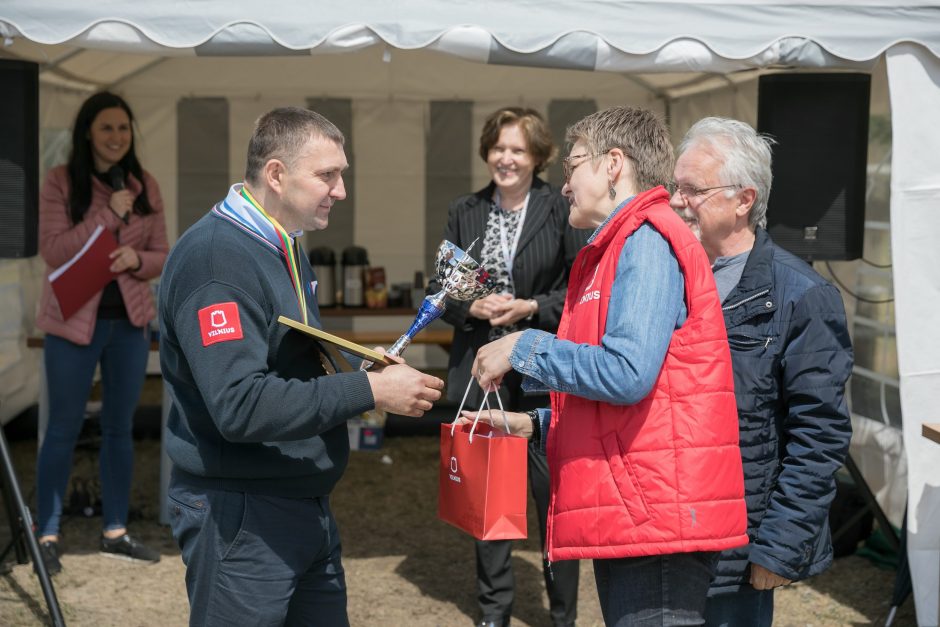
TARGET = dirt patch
x,y
403,566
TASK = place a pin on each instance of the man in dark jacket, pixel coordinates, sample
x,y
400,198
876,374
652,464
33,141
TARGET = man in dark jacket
x,y
257,425
791,355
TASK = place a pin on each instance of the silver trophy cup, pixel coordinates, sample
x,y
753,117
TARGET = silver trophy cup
x,y
461,278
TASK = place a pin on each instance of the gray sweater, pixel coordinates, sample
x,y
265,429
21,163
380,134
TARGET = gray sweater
x,y
257,413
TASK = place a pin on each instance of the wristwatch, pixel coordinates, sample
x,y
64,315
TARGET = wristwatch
x,y
536,425
535,307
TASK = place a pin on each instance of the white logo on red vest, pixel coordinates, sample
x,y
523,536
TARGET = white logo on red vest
x,y
590,294
591,284
220,323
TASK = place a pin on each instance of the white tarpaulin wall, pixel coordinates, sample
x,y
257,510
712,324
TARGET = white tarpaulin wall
x,y
644,39
915,226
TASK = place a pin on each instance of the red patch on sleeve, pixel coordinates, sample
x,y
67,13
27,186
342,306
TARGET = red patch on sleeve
x,y
220,323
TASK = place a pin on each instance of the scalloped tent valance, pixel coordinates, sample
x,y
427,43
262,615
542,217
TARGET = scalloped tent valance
x,y
611,35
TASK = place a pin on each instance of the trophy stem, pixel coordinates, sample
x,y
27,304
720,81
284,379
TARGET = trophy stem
x,y
431,309
462,279
400,345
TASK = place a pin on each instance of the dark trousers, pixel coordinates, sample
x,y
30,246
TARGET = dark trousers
x,y
745,608
654,591
494,563
258,560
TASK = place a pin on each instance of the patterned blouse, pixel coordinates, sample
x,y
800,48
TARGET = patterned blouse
x,y
496,248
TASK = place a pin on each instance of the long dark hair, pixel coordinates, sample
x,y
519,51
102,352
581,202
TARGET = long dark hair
x,y
81,165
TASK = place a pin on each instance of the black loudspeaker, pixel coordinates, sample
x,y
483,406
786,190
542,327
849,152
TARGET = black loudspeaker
x,y
19,159
816,208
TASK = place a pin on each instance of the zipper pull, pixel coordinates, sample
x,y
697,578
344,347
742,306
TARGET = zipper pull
x,y
767,343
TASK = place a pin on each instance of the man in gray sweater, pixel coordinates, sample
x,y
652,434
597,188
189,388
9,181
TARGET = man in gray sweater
x,y
257,424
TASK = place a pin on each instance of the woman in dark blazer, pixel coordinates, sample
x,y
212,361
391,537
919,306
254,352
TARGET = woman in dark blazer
x,y
520,226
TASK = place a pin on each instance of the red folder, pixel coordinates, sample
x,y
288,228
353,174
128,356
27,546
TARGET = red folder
x,y
85,274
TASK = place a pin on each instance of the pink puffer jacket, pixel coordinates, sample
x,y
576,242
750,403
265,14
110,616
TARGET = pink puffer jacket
x,y
59,240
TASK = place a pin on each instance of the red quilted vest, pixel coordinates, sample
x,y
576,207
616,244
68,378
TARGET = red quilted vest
x,y
664,475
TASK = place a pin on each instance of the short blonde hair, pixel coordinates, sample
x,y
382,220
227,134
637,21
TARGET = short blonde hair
x,y
639,133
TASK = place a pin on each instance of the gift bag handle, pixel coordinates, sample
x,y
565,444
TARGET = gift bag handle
x,y
485,404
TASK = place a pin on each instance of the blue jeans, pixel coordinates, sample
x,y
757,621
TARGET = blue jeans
x,y
658,590
261,559
744,608
122,350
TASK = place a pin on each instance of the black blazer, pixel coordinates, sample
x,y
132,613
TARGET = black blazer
x,y
547,248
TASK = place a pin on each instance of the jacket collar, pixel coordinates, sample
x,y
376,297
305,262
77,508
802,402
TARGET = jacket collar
x,y
132,183
627,210
539,188
754,293
242,214
536,213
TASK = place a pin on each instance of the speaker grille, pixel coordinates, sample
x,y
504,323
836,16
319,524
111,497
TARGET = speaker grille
x,y
19,159
816,208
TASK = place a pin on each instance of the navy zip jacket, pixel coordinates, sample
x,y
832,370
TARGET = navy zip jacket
x,y
251,408
792,356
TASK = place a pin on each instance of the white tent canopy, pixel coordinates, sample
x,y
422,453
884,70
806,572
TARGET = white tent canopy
x,y
654,51
697,35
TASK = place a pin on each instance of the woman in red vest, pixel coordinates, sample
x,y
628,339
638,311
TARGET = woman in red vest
x,y
642,433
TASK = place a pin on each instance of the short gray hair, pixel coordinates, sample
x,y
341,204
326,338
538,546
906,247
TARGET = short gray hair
x,y
639,133
746,158
282,133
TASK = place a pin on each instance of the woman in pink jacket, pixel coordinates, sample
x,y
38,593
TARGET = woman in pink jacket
x,y
102,184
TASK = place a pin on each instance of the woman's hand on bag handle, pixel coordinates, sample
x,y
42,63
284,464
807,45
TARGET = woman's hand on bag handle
x,y
519,424
492,361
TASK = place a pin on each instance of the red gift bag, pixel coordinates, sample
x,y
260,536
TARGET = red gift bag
x,y
482,487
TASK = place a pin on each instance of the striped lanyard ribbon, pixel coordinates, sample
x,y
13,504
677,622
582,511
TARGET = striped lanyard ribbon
x,y
290,254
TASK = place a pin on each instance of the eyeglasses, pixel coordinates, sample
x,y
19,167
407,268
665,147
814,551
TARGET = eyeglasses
x,y
689,192
569,169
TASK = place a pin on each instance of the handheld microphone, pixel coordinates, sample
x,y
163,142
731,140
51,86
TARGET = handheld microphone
x,y
116,175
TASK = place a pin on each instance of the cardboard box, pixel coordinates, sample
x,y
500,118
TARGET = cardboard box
x,y
363,435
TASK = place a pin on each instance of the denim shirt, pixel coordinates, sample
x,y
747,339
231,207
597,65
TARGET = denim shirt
x,y
647,304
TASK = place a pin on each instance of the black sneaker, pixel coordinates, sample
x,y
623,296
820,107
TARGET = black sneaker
x,y
50,557
126,547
